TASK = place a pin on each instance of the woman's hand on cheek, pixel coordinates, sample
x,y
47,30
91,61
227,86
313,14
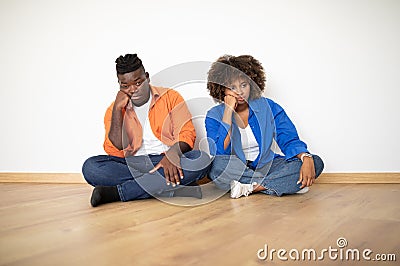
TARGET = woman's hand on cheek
x,y
230,100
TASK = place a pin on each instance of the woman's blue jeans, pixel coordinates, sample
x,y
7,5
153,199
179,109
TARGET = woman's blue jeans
x,y
281,177
131,176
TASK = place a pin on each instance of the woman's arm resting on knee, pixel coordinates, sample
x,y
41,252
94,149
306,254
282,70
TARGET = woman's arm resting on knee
x,y
307,171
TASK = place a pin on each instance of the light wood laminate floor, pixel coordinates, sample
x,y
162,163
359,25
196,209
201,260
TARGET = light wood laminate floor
x,y
54,224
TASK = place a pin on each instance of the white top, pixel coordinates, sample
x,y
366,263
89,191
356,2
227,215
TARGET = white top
x,y
151,144
249,143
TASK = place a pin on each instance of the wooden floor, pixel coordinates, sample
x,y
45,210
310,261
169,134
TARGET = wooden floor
x,y
53,224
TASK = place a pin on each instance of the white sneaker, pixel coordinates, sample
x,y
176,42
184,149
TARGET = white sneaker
x,y
303,190
238,189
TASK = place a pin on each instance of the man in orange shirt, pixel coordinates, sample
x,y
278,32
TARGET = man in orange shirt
x,y
149,139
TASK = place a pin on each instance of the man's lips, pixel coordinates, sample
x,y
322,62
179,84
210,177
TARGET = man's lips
x,y
136,96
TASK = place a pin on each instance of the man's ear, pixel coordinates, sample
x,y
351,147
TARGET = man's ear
x,y
147,76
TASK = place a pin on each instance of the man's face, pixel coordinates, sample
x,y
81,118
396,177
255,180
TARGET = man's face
x,y
136,85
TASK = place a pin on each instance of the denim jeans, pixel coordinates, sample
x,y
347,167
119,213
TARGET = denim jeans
x,y
131,176
279,177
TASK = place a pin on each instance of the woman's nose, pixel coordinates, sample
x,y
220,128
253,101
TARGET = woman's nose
x,y
238,91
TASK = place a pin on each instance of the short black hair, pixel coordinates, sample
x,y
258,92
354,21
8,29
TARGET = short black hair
x,y
128,63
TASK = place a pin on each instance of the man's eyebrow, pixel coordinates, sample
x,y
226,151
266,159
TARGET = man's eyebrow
x,y
124,82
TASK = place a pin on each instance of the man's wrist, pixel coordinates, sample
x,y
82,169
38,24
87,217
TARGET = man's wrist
x,y
174,151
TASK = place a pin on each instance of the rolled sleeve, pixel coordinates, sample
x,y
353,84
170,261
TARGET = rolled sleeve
x,y
216,134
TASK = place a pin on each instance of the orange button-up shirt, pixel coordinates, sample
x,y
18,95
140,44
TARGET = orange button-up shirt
x,y
169,117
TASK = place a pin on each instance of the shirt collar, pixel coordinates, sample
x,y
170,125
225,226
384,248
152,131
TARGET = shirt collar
x,y
156,94
155,91
254,106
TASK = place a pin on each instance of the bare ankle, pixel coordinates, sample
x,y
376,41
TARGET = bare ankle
x,y
257,187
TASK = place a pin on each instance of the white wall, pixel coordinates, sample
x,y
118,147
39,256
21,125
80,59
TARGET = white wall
x,y
334,66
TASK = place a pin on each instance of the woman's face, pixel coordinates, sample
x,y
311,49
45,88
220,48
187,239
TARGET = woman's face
x,y
240,88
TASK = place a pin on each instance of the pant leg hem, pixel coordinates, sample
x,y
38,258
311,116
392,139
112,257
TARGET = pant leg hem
x,y
121,194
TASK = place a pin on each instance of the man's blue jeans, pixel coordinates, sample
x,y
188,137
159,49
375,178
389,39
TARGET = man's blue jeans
x,y
281,177
131,176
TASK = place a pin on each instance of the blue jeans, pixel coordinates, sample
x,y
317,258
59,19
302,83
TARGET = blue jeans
x,y
131,176
281,177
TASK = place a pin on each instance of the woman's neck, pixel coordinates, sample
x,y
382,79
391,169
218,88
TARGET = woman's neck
x,y
242,115
242,108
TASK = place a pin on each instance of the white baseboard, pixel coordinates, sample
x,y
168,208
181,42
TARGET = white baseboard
x,y
325,178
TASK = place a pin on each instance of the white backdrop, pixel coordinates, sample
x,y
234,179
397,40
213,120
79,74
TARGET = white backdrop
x,y
333,65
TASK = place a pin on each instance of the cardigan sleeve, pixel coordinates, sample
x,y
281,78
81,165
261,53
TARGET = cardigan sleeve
x,y
216,133
286,133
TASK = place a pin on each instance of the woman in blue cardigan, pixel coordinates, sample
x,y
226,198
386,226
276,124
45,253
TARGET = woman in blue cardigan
x,y
243,129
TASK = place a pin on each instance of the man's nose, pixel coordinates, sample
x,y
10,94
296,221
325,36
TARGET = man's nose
x,y
132,88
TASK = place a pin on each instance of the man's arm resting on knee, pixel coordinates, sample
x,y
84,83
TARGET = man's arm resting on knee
x,y
171,163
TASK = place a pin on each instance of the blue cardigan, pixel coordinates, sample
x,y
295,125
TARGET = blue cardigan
x,y
267,120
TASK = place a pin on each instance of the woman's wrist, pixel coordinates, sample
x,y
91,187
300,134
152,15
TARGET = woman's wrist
x,y
304,155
